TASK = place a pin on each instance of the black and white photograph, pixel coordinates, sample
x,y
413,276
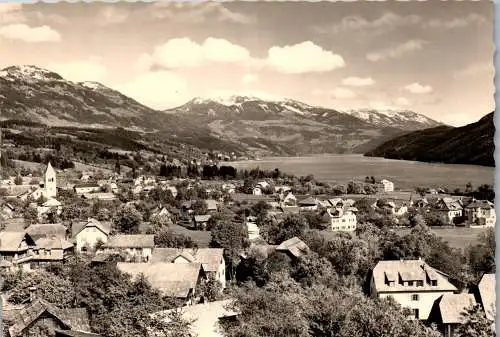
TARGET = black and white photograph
x,y
247,169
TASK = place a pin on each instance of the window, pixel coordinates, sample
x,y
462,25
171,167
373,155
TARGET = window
x,y
420,283
415,313
414,297
391,283
434,283
410,283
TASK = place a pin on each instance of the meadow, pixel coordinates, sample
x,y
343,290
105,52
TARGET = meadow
x,y
458,237
404,174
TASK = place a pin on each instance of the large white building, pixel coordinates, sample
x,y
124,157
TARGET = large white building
x,y
412,283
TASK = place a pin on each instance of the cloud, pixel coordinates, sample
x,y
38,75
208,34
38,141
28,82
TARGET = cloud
x,y
112,15
387,22
417,88
80,71
396,51
301,58
11,13
460,22
249,78
358,81
402,101
159,90
29,34
197,13
185,53
474,69
343,93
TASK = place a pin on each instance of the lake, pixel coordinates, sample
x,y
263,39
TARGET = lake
x,y
405,174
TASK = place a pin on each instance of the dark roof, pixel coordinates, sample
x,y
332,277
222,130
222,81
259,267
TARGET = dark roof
x,y
38,230
104,226
308,201
18,320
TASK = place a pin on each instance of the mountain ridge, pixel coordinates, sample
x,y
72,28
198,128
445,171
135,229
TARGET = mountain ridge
x,y
281,127
470,144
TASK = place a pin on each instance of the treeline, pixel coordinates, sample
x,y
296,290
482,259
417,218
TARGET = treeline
x,y
206,172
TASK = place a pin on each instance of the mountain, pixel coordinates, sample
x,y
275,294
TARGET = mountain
x,y
235,124
294,128
404,119
36,94
470,144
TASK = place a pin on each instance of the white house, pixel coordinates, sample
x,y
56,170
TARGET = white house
x,y
81,189
340,219
450,209
87,234
480,213
253,229
388,186
48,205
412,283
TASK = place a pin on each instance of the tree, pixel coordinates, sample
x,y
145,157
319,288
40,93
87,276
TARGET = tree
x,y
30,215
482,256
233,237
18,180
168,239
171,325
199,207
475,323
127,220
292,225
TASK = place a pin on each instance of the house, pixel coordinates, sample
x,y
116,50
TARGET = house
x,y
386,185
51,249
212,259
411,283
480,213
486,295
81,189
340,219
252,228
48,205
136,247
201,221
308,204
206,317
449,208
447,312
173,190
293,247
260,188
396,207
99,196
176,280
212,205
24,321
88,233
288,199
37,231
16,250
161,212
229,188
7,211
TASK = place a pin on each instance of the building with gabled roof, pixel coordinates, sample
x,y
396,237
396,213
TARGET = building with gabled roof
x,y
20,322
37,231
294,247
412,283
448,312
480,213
449,208
136,247
212,259
486,295
177,280
88,233
16,250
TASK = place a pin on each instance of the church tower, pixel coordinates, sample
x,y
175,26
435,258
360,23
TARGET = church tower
x,y
50,187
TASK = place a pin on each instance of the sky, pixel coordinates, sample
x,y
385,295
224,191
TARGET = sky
x,y
435,58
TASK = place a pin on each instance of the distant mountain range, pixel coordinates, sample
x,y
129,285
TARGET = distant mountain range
x,y
247,124
470,144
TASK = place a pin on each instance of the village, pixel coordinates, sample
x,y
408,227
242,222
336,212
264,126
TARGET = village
x,y
197,240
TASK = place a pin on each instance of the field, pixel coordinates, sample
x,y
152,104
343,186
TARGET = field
x,y
28,165
404,174
457,237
